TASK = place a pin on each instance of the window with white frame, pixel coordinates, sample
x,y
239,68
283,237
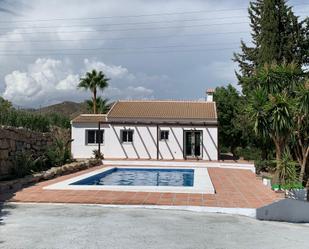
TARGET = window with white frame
x,y
127,136
94,136
164,135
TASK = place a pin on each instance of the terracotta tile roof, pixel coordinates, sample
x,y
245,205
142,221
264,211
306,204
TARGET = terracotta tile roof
x,y
182,110
90,118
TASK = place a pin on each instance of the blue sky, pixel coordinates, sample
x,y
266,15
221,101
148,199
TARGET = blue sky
x,y
171,49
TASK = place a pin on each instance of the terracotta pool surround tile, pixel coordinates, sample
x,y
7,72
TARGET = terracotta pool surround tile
x,y
234,188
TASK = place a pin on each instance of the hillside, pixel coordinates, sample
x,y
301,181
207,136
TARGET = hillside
x,y
67,108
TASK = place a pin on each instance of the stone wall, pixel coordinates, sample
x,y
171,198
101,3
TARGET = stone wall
x,y
14,140
15,185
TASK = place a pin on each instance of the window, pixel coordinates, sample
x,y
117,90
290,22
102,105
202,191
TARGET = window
x,y
164,135
94,136
127,136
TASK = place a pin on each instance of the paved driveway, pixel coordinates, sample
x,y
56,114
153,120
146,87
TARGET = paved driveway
x,y
80,226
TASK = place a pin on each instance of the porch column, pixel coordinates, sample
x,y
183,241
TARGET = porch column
x,y
158,149
99,144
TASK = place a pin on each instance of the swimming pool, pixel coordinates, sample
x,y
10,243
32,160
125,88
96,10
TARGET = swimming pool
x,y
141,177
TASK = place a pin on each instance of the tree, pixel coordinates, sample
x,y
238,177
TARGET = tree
x,y
300,135
93,81
277,35
271,116
269,106
102,105
228,102
5,104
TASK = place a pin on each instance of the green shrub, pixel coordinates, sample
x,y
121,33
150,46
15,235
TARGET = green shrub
x,y
56,119
32,121
249,153
97,154
292,185
224,149
22,164
265,165
26,163
59,153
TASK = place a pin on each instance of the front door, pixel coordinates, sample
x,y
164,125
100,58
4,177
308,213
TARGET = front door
x,y
193,144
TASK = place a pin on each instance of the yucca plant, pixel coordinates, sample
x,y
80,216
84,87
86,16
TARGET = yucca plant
x,y
269,105
286,172
280,120
271,117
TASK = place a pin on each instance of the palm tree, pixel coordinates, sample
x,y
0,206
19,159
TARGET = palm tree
x,y
93,81
102,105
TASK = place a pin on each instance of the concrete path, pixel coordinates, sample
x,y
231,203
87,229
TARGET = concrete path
x,y
85,226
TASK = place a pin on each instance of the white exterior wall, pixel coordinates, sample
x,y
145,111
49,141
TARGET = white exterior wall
x,y
79,148
144,142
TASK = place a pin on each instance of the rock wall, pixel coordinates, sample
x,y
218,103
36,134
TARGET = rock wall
x,y
15,185
14,140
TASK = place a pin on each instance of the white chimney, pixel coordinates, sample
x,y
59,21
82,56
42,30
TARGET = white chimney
x,y
210,95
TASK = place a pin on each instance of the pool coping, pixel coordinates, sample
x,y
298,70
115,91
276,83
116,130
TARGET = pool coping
x,y
182,163
202,183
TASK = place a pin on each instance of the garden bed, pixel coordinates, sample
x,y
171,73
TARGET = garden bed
x,y
16,184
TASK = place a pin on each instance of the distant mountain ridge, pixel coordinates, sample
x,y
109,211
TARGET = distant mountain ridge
x,y
66,108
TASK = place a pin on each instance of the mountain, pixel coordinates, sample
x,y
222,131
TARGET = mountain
x,y
66,108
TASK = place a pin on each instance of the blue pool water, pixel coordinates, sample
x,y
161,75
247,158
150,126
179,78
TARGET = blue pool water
x,y
141,177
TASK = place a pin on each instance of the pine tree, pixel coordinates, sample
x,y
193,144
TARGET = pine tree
x,y
277,36
247,59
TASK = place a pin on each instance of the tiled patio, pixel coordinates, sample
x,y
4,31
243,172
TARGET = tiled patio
x,y
234,188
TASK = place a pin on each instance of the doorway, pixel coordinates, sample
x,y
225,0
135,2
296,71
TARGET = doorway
x,y
193,144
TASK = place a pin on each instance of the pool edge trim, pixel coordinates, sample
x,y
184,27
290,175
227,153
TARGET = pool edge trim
x,y
202,183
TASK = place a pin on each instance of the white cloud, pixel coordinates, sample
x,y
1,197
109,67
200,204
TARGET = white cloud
x,y
20,82
140,89
130,92
171,75
45,81
48,81
112,71
69,83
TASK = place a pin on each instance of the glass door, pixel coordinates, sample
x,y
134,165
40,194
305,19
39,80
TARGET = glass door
x,y
193,143
188,144
197,144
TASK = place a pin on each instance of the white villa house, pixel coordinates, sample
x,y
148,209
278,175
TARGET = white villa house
x,y
149,129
